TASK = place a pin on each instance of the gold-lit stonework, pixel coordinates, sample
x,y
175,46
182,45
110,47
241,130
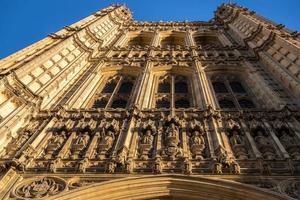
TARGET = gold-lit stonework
x,y
112,108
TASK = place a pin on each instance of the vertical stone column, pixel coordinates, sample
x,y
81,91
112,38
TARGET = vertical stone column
x,y
251,140
276,140
189,38
156,39
204,85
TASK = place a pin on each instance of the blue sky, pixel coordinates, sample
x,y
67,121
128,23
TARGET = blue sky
x,y
23,22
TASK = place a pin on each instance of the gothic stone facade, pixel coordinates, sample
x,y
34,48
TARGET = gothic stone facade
x,y
112,108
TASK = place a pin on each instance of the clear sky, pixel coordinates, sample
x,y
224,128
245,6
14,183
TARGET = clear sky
x,y
23,22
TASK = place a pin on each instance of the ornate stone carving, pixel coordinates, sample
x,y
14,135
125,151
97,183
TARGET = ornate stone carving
x,y
196,141
171,138
55,143
146,139
224,162
237,139
291,188
262,141
288,139
79,145
40,188
157,166
108,136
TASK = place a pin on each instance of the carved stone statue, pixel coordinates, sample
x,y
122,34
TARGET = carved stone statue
x,y
237,142
172,140
110,167
197,144
290,144
55,143
187,166
129,166
146,144
15,144
106,143
157,166
147,138
264,145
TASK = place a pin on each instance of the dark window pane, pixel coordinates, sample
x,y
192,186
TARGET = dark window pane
x,y
226,104
126,88
100,103
119,103
237,87
164,88
219,87
244,103
109,87
182,103
162,104
181,87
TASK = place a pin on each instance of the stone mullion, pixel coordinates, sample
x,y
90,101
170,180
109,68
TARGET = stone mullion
x,y
62,153
232,95
277,141
255,150
114,93
92,146
208,96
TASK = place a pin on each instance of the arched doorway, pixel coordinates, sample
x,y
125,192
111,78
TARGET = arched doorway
x,y
169,187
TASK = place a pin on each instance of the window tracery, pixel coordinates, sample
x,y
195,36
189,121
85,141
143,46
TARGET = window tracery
x,y
173,91
115,93
231,93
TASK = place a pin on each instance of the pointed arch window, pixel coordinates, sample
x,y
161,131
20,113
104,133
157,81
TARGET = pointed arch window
x,y
100,103
225,103
237,87
115,93
126,88
219,87
162,104
182,103
119,103
245,103
164,87
181,87
231,93
174,89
